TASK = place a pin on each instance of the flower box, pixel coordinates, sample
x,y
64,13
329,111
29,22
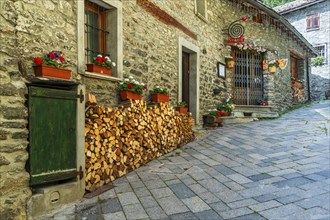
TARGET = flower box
x,y
230,64
125,95
225,113
296,84
272,69
160,97
99,69
49,71
181,109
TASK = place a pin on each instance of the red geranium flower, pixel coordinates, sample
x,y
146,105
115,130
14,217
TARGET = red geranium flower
x,y
104,60
99,59
219,113
130,86
61,58
144,86
52,55
37,61
278,62
244,18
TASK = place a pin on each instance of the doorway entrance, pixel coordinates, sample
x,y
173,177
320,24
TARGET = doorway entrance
x,y
185,78
248,77
188,76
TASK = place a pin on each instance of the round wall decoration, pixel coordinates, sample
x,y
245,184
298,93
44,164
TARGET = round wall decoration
x,y
236,30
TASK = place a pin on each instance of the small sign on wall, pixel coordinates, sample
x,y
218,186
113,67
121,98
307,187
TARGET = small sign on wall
x,y
221,70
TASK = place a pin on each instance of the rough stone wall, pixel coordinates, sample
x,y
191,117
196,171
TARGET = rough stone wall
x,y
151,49
28,28
320,77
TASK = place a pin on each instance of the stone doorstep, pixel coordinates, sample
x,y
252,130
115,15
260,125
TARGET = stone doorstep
x,y
253,108
254,111
236,120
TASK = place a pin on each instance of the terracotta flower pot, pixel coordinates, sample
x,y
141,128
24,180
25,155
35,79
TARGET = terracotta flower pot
x,y
160,98
49,71
230,64
272,69
296,84
125,95
99,69
226,113
183,110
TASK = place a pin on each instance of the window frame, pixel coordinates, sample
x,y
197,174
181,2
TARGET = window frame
x,y
325,51
102,24
202,16
114,18
310,19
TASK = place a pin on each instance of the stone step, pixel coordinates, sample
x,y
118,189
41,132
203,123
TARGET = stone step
x,y
235,120
253,108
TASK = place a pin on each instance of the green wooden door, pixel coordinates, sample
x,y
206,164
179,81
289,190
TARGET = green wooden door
x,y
52,127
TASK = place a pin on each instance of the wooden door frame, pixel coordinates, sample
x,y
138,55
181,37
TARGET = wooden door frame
x,y
194,63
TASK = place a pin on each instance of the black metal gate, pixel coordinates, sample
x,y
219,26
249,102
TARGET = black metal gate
x,y
248,77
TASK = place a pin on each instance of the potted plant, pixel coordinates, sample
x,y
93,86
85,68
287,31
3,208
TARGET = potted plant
x,y
264,102
159,94
182,107
296,83
224,109
51,65
272,65
101,65
230,61
131,89
214,116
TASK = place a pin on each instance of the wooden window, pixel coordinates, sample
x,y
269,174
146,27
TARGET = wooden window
x,y
96,32
201,9
312,22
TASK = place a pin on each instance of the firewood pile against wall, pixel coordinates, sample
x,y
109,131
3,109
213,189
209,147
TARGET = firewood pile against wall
x,y
121,139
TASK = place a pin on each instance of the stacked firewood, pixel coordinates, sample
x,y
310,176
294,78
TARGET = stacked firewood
x,y
121,139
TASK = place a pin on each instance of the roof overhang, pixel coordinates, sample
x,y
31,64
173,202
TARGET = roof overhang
x,y
281,19
308,4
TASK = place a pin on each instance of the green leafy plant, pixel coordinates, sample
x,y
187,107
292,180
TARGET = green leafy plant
x,y
317,61
104,61
182,104
273,63
224,108
130,84
159,90
232,57
214,112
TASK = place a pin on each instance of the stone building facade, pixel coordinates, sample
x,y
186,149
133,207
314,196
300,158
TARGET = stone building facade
x,y
147,40
297,12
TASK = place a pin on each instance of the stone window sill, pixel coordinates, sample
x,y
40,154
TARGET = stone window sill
x,y
103,77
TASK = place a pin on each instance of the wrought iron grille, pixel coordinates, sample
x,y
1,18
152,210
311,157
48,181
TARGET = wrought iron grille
x,y
95,31
248,77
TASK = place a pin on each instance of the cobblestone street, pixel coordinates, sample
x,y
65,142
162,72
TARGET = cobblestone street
x,y
269,169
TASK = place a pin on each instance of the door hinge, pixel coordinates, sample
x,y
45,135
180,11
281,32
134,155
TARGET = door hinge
x,y
81,96
80,173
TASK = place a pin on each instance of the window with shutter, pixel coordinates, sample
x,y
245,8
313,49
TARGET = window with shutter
x,y
201,9
312,22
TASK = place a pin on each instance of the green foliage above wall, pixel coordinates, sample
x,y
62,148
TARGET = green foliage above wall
x,y
274,3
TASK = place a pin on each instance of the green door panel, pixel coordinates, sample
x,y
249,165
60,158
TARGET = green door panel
x,y
52,127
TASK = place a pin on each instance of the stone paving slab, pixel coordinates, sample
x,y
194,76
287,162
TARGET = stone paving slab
x,y
269,169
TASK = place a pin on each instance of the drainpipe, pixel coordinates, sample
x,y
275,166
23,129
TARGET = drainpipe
x,y
308,82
